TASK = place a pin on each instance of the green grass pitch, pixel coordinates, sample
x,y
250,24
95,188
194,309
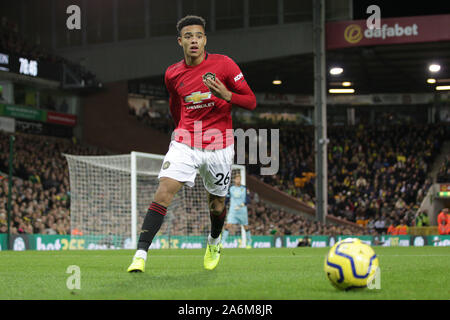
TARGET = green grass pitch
x,y
255,274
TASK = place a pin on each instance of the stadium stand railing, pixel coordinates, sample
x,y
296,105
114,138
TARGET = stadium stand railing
x,y
423,231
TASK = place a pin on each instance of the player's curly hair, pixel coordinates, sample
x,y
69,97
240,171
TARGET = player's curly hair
x,y
189,21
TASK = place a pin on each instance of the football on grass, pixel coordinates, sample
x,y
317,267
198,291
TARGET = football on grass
x,y
351,264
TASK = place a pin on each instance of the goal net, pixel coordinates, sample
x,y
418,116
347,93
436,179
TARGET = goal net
x,y
110,196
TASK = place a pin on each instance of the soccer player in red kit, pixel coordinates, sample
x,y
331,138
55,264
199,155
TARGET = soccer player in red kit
x,y
203,87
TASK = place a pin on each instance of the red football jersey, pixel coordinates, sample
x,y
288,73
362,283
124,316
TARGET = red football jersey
x,y
201,119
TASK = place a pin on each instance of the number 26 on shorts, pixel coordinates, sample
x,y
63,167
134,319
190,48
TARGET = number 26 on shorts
x,y
222,179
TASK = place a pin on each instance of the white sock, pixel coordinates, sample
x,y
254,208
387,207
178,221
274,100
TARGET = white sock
x,y
213,241
141,254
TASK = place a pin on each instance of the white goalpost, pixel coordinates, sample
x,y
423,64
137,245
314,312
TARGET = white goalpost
x,y
110,196
158,159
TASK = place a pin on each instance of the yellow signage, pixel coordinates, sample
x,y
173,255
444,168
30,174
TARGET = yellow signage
x,y
353,33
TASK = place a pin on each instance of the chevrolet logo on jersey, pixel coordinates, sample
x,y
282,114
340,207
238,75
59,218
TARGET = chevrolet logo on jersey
x,y
197,97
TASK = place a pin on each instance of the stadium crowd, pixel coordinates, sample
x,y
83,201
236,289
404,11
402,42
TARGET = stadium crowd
x,y
377,174
377,180
444,171
41,194
265,220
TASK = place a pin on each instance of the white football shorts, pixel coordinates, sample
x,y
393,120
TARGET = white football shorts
x,y
182,163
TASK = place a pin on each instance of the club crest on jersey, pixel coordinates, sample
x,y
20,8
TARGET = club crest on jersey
x,y
197,97
166,165
209,75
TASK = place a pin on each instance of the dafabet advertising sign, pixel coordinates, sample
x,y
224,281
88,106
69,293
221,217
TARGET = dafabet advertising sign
x,y
343,34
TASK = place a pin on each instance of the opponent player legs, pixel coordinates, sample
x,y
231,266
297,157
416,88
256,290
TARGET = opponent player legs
x,y
237,217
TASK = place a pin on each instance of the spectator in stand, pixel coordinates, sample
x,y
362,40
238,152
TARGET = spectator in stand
x,y
392,230
371,226
402,229
443,227
422,219
360,218
442,216
443,221
380,224
444,171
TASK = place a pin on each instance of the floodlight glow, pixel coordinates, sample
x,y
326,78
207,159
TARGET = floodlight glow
x,y
431,80
346,84
434,67
276,82
443,88
336,70
341,90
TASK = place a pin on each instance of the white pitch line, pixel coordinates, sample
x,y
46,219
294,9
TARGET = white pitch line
x,y
413,255
301,256
247,256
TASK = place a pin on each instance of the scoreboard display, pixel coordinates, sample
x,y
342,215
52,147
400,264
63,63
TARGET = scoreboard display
x,y
30,67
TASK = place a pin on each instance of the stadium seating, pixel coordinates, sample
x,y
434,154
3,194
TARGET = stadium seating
x,y
374,172
377,172
41,193
444,171
265,220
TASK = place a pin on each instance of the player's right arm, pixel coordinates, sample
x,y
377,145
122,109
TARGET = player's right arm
x,y
174,101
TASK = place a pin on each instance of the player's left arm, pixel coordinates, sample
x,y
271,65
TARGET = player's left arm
x,y
235,90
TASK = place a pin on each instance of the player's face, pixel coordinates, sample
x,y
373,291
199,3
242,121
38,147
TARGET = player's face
x,y
237,180
193,40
